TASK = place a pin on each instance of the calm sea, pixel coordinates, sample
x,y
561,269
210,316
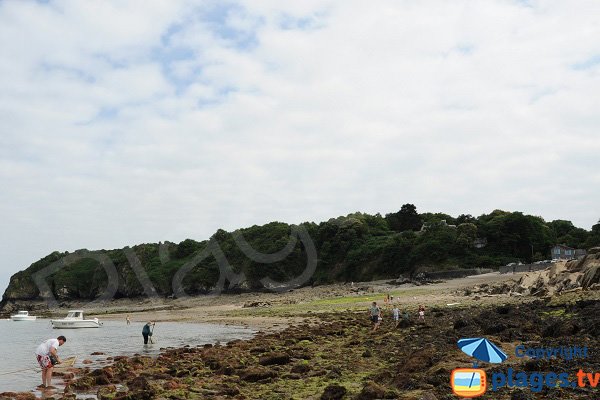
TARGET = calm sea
x,y
18,341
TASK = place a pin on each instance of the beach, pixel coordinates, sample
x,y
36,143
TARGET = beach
x,y
318,343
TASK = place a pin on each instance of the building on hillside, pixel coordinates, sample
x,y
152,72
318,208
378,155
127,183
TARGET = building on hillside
x,y
563,252
442,222
480,243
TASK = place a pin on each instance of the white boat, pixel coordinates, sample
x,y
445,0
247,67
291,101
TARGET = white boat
x,y
75,319
23,316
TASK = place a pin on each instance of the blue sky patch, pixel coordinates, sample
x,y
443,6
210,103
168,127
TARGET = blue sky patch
x,y
587,64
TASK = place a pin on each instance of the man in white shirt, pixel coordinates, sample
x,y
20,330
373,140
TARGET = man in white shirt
x,y
47,357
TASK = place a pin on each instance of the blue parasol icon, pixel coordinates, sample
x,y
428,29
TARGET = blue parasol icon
x,y
482,349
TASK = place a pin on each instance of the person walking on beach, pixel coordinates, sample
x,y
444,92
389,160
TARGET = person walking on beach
x,y
421,313
396,315
128,320
375,315
47,357
147,332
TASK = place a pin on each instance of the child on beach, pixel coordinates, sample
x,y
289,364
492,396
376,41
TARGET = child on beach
x,y
396,315
421,313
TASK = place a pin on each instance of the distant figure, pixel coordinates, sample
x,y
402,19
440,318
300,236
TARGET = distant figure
x,y
514,269
128,320
47,357
147,332
375,315
396,316
421,313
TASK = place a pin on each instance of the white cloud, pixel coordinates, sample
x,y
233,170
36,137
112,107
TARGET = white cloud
x,y
127,123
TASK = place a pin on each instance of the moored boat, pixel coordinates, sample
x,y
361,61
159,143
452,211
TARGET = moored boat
x,y
75,319
23,316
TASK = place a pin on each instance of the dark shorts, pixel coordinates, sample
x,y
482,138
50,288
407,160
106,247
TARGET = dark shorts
x,y
374,319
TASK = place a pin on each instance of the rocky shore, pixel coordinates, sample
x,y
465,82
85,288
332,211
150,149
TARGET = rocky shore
x,y
318,343
340,357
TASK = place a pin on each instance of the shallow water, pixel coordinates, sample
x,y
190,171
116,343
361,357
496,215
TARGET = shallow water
x,y
20,371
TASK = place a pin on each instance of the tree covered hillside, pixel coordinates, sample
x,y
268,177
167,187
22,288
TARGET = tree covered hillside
x,y
356,247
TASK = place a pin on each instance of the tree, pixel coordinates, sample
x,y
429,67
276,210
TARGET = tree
x,y
465,219
596,228
561,227
406,219
467,233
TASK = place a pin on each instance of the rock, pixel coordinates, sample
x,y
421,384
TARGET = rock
x,y
300,368
106,392
252,304
67,376
259,349
333,392
276,358
503,310
84,383
138,384
428,396
257,374
591,276
404,323
372,391
561,328
172,384
86,361
17,396
317,372
97,353
494,328
521,395
461,323
420,360
229,391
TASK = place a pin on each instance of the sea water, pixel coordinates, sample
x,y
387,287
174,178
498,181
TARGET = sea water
x,y
18,341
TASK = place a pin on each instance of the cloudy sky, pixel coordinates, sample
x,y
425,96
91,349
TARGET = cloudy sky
x,y
144,121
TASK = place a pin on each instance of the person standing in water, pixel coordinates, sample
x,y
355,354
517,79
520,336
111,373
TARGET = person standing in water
x,y
47,357
147,332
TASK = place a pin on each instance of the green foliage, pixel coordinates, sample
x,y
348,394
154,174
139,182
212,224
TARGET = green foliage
x,y
349,248
407,219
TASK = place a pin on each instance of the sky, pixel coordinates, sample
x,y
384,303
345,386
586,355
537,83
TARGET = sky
x,y
144,121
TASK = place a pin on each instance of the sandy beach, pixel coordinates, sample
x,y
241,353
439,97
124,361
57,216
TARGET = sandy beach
x,y
275,311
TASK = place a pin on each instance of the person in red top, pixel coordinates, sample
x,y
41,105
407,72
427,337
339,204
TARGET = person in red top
x,y
47,357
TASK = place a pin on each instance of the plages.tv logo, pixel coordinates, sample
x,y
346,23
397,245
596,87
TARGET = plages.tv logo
x,y
472,382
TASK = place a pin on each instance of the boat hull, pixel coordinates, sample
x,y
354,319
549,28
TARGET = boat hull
x,y
62,324
23,318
